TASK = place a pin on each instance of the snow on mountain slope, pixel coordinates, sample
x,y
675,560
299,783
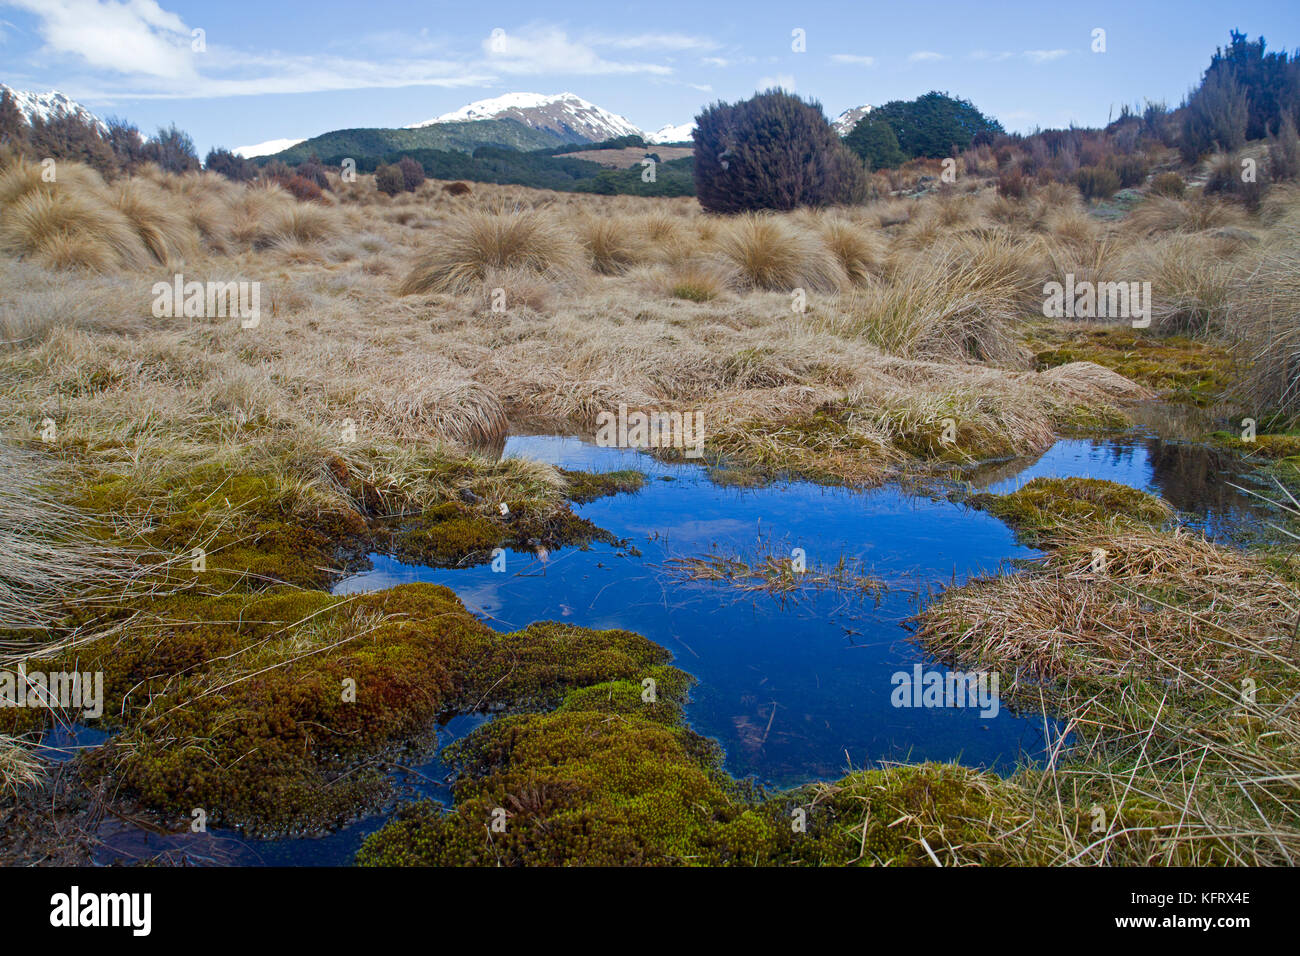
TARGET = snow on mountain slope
x,y
268,148
672,134
47,105
566,114
844,123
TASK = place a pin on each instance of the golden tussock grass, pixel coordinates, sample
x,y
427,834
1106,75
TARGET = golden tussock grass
x,y
772,254
476,241
1157,214
611,246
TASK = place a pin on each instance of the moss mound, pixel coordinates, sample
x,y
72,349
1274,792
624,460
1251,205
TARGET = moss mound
x,y
605,779
1045,505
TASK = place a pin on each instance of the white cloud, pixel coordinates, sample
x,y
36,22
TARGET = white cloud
x,y
136,49
925,56
545,49
134,37
853,58
783,80
994,57
1045,56
676,42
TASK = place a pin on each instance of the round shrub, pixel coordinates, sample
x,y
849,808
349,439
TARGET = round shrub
x,y
389,180
773,151
412,174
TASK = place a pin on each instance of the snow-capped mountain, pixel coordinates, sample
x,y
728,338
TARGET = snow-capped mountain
x,y
844,123
566,114
671,134
47,105
270,147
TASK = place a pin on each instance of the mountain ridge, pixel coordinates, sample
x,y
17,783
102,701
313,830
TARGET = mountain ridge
x,y
51,104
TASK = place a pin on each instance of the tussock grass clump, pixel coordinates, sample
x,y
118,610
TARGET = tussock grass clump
x,y
1266,333
431,402
860,254
1143,640
1163,213
611,246
66,229
959,301
19,767
165,231
21,178
987,423
770,253
297,222
477,241
1193,284
51,559
693,280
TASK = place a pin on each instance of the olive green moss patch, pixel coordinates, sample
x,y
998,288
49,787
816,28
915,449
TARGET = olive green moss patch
x,y
609,779
1181,369
1045,505
584,486
270,714
606,779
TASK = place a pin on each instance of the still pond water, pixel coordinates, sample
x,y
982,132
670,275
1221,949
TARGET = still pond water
x,y
795,687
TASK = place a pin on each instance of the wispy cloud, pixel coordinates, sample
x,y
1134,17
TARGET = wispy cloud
x,y
674,42
1034,56
136,49
783,80
925,56
853,58
538,49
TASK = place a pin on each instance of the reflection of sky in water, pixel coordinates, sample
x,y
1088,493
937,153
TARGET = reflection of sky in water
x,y
794,689
1195,479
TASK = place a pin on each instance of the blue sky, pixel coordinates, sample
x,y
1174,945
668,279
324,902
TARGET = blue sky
x,y
275,69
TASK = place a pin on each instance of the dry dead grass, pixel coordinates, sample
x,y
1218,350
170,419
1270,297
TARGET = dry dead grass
x,y
1173,662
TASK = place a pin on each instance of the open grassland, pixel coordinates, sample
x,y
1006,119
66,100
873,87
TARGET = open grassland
x,y
181,490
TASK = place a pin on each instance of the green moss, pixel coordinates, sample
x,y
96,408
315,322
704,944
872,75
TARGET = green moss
x,y
242,709
1045,505
1181,369
585,486
1275,447
607,779
596,782
456,534
255,528
447,534
881,818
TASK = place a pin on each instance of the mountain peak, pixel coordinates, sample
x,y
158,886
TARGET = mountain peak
x,y
51,104
565,114
844,123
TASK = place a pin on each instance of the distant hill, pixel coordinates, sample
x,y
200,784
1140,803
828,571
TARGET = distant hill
x,y
371,145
